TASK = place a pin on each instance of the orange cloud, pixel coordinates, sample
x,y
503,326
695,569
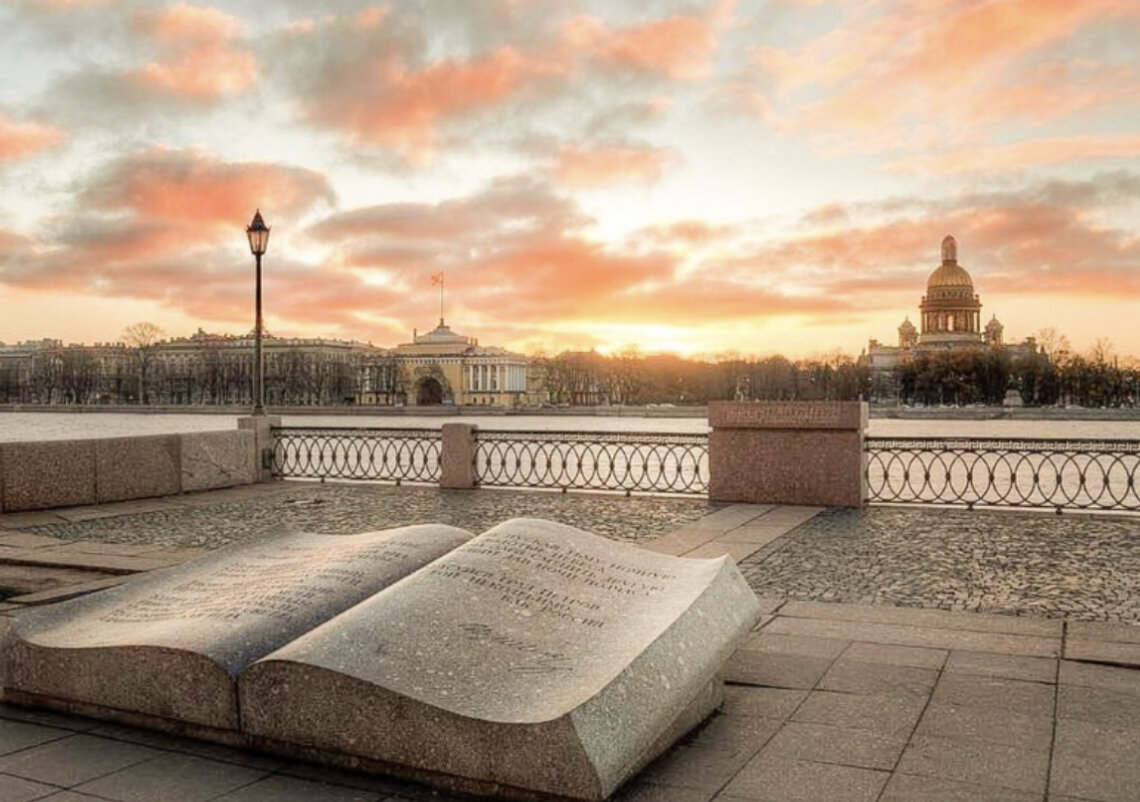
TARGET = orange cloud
x,y
592,167
192,187
927,76
679,47
1021,155
393,105
21,140
200,59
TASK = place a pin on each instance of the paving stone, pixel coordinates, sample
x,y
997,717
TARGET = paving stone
x,y
1030,699
70,796
913,656
1091,761
776,670
919,617
638,790
854,676
885,714
1102,651
755,534
1096,676
1104,631
701,768
171,778
977,762
94,547
23,540
771,643
930,637
986,724
1100,705
777,703
736,733
717,548
17,735
776,779
1008,666
842,745
20,520
915,788
71,761
15,789
770,604
291,789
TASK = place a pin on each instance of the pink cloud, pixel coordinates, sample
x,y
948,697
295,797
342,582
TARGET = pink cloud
x,y
21,140
1021,155
679,47
195,188
201,56
599,166
942,74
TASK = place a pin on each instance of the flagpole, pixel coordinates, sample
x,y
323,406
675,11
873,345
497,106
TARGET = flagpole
x,y
441,298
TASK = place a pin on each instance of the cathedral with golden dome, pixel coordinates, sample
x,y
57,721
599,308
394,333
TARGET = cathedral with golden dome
x,y
950,315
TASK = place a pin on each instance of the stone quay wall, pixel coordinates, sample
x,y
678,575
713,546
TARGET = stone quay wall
x,y
804,452
69,473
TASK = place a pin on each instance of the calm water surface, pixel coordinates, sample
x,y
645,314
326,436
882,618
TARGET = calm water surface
x,y
16,426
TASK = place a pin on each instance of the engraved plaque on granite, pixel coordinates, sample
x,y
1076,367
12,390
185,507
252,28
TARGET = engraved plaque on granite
x,y
171,644
534,657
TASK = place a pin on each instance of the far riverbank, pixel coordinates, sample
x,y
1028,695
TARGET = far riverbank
x,y
650,411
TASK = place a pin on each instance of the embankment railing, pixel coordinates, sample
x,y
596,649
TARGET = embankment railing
x,y
390,455
1051,474
652,463
1098,475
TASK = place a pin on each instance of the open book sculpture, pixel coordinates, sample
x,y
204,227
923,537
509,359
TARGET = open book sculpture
x,y
533,658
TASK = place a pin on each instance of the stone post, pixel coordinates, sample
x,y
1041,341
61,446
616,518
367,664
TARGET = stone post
x,y
260,425
457,457
808,452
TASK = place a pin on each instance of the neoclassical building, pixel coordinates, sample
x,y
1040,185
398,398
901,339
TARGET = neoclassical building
x,y
950,317
443,367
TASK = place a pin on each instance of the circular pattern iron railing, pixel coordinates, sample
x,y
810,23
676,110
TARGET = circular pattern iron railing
x,y
654,463
397,455
1057,474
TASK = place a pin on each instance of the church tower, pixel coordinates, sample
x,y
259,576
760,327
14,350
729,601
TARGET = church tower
x,y
951,311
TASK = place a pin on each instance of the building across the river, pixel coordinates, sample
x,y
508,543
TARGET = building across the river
x,y
950,317
436,368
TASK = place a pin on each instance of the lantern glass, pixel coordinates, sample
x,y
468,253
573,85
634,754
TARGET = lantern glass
x,y
258,234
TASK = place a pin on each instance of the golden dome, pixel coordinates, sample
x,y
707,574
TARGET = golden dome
x,y
949,274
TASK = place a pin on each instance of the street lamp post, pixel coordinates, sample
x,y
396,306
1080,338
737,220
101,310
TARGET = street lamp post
x,y
258,234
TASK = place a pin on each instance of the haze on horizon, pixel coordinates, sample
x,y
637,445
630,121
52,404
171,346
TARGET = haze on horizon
x,y
700,177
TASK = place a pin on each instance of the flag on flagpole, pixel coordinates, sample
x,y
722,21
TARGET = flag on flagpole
x,y
437,279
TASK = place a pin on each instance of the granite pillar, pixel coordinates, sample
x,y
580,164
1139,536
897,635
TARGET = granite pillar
x,y
261,426
457,457
808,452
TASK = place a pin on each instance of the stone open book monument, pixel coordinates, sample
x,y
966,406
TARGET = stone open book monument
x,y
533,659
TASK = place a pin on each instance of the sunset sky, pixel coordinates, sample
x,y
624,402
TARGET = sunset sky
x,y
762,176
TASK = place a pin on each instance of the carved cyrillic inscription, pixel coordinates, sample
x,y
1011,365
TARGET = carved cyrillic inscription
x,y
790,415
279,583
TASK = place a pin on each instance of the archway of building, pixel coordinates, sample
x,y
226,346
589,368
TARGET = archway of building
x,y
429,392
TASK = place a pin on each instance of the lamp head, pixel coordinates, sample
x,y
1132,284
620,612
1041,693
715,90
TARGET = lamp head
x,y
258,234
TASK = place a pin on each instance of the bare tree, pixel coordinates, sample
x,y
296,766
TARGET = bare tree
x,y
1054,345
142,337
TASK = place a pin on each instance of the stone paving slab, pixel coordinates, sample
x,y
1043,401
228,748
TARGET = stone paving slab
x,y
932,637
910,616
869,721
1100,651
65,592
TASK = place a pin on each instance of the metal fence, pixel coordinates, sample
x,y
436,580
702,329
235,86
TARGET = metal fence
x,y
654,463
399,455
1070,474
1052,474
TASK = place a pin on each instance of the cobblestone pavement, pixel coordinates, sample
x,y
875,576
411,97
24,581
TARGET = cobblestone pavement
x,y
336,508
1079,567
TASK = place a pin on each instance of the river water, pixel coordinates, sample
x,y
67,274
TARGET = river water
x,y
22,426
